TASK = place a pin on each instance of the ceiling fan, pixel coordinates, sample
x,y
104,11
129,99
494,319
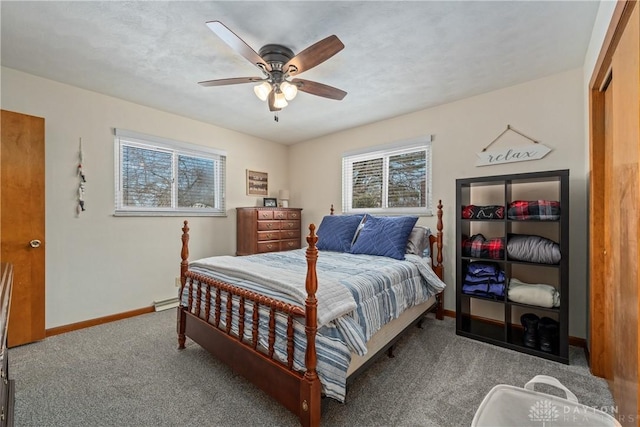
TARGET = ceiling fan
x,y
279,65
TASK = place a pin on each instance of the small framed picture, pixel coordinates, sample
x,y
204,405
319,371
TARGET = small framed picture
x,y
270,202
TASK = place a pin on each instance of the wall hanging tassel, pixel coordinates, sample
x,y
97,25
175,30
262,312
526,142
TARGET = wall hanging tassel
x,y
81,176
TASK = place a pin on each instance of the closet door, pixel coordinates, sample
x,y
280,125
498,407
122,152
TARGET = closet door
x,y
615,212
625,215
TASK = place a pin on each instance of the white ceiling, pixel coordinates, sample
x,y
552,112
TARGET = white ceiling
x,y
399,57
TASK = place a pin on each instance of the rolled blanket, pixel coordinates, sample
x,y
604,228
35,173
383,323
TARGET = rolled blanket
x,y
478,246
540,294
524,247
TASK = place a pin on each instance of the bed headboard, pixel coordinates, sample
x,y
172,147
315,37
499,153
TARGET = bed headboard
x,y
435,242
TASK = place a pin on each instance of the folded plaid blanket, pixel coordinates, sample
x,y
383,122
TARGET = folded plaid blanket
x,y
478,246
483,212
543,210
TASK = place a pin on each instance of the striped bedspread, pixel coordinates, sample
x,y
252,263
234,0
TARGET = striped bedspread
x,y
357,295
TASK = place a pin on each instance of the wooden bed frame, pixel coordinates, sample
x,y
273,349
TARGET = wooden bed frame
x,y
298,392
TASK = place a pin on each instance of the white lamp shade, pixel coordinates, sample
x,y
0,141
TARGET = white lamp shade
x,y
290,91
283,195
262,90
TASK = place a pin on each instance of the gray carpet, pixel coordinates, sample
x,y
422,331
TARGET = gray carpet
x,y
129,373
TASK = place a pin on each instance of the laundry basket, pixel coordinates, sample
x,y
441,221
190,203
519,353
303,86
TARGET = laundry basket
x,y
511,406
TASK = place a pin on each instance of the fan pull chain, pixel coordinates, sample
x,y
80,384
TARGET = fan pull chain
x,y
275,117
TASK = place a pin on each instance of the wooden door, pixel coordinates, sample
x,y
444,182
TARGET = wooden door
x,y
624,240
22,223
615,213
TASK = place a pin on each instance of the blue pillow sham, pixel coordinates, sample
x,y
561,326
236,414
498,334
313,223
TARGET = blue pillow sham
x,y
384,236
336,232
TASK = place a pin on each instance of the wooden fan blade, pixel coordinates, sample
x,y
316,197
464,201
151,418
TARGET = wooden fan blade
x,y
271,101
233,81
237,44
319,89
314,55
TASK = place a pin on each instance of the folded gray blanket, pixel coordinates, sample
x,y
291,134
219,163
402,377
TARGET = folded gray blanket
x,y
537,294
530,248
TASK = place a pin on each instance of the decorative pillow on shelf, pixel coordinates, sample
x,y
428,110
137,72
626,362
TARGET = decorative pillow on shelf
x,y
418,241
336,232
384,236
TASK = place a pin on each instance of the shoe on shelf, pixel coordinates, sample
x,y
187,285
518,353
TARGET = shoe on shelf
x,y
530,323
548,334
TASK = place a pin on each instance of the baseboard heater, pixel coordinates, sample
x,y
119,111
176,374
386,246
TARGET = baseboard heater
x,y
166,304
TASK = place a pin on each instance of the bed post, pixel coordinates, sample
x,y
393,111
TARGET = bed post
x,y
439,297
310,387
184,266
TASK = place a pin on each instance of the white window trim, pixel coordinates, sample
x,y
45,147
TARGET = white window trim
x,y
135,139
385,151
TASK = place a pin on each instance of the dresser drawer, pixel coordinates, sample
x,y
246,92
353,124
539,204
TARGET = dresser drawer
x,y
287,245
290,225
270,246
268,214
290,234
268,225
279,214
293,215
269,235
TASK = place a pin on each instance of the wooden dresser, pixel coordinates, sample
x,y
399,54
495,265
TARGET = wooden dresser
x,y
262,230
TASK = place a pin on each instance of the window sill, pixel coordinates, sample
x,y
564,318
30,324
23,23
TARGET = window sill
x,y
169,213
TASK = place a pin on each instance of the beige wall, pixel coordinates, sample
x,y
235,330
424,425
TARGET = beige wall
x,y
549,110
98,264
82,252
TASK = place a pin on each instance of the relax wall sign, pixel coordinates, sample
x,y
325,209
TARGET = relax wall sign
x,y
511,155
536,151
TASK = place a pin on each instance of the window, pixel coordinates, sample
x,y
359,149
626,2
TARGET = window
x,y
156,176
393,179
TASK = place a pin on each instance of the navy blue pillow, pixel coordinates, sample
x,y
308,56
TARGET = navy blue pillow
x,y
384,236
336,232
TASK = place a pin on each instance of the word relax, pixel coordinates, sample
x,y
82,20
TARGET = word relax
x,y
510,155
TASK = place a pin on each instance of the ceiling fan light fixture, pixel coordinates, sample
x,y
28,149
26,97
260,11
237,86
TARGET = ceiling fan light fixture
x,y
279,100
262,90
289,90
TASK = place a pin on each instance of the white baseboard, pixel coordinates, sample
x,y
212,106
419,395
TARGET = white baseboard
x,y
166,304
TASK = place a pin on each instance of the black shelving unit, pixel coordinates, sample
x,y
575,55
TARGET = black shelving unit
x,y
497,321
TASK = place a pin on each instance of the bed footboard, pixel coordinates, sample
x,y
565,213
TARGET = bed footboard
x,y
298,392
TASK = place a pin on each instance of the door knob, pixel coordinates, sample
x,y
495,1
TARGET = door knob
x,y
35,243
